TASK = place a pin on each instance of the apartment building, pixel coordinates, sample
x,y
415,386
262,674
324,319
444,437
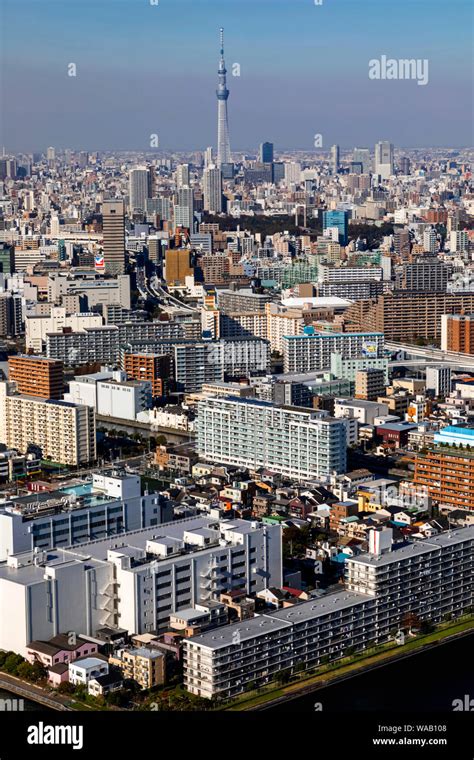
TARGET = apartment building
x,y
312,350
136,580
144,665
347,369
383,587
154,368
92,345
457,333
58,320
448,474
64,432
238,301
109,504
406,315
369,383
299,443
36,376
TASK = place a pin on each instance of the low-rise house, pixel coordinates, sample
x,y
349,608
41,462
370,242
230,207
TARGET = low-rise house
x,y
145,665
86,668
62,648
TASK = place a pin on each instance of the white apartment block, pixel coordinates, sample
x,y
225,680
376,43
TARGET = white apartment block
x,y
430,578
134,581
65,432
299,443
37,327
348,274
312,351
108,505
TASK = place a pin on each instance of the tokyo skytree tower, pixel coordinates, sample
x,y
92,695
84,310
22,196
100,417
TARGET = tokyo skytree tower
x,y
223,143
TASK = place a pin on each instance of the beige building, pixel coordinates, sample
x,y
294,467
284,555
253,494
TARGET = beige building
x,y
282,322
37,327
65,432
144,665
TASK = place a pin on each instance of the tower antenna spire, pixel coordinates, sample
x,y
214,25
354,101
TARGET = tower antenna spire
x,y
223,142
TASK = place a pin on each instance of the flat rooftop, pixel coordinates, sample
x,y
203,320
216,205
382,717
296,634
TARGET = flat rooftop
x,y
261,625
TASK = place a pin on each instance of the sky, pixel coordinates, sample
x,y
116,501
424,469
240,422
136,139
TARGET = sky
x,y
145,69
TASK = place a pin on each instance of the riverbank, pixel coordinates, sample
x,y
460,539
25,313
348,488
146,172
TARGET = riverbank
x,y
16,687
349,667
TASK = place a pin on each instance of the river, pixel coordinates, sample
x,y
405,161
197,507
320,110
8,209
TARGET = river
x,y
425,682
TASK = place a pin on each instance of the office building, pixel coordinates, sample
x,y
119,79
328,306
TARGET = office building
x,y
339,219
64,432
97,290
7,258
335,159
36,376
298,443
312,350
182,176
11,315
384,159
362,156
178,265
159,571
265,153
113,221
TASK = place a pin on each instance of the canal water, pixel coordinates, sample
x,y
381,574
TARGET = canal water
x,y
28,706
425,682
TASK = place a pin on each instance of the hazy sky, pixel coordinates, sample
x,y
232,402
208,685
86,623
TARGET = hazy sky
x,y
145,69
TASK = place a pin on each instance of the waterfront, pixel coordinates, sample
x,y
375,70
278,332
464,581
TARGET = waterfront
x,y
28,705
425,682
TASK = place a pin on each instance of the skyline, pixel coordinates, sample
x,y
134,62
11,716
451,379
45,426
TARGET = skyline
x,y
116,102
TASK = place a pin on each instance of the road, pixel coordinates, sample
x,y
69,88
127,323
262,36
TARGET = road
x,y
432,355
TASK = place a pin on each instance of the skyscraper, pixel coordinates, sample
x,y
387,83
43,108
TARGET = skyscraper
x,y
223,143
384,159
113,223
139,187
266,153
212,184
182,175
362,156
335,156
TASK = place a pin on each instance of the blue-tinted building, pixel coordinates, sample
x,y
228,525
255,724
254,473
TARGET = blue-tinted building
x,y
339,219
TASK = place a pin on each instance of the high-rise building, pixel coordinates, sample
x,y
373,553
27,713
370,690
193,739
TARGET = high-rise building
x,y
184,210
37,376
7,258
297,443
457,333
212,184
430,241
208,160
339,219
265,153
50,155
223,143
312,351
155,368
335,159
292,173
362,156
384,159
182,175
113,222
140,188
438,380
